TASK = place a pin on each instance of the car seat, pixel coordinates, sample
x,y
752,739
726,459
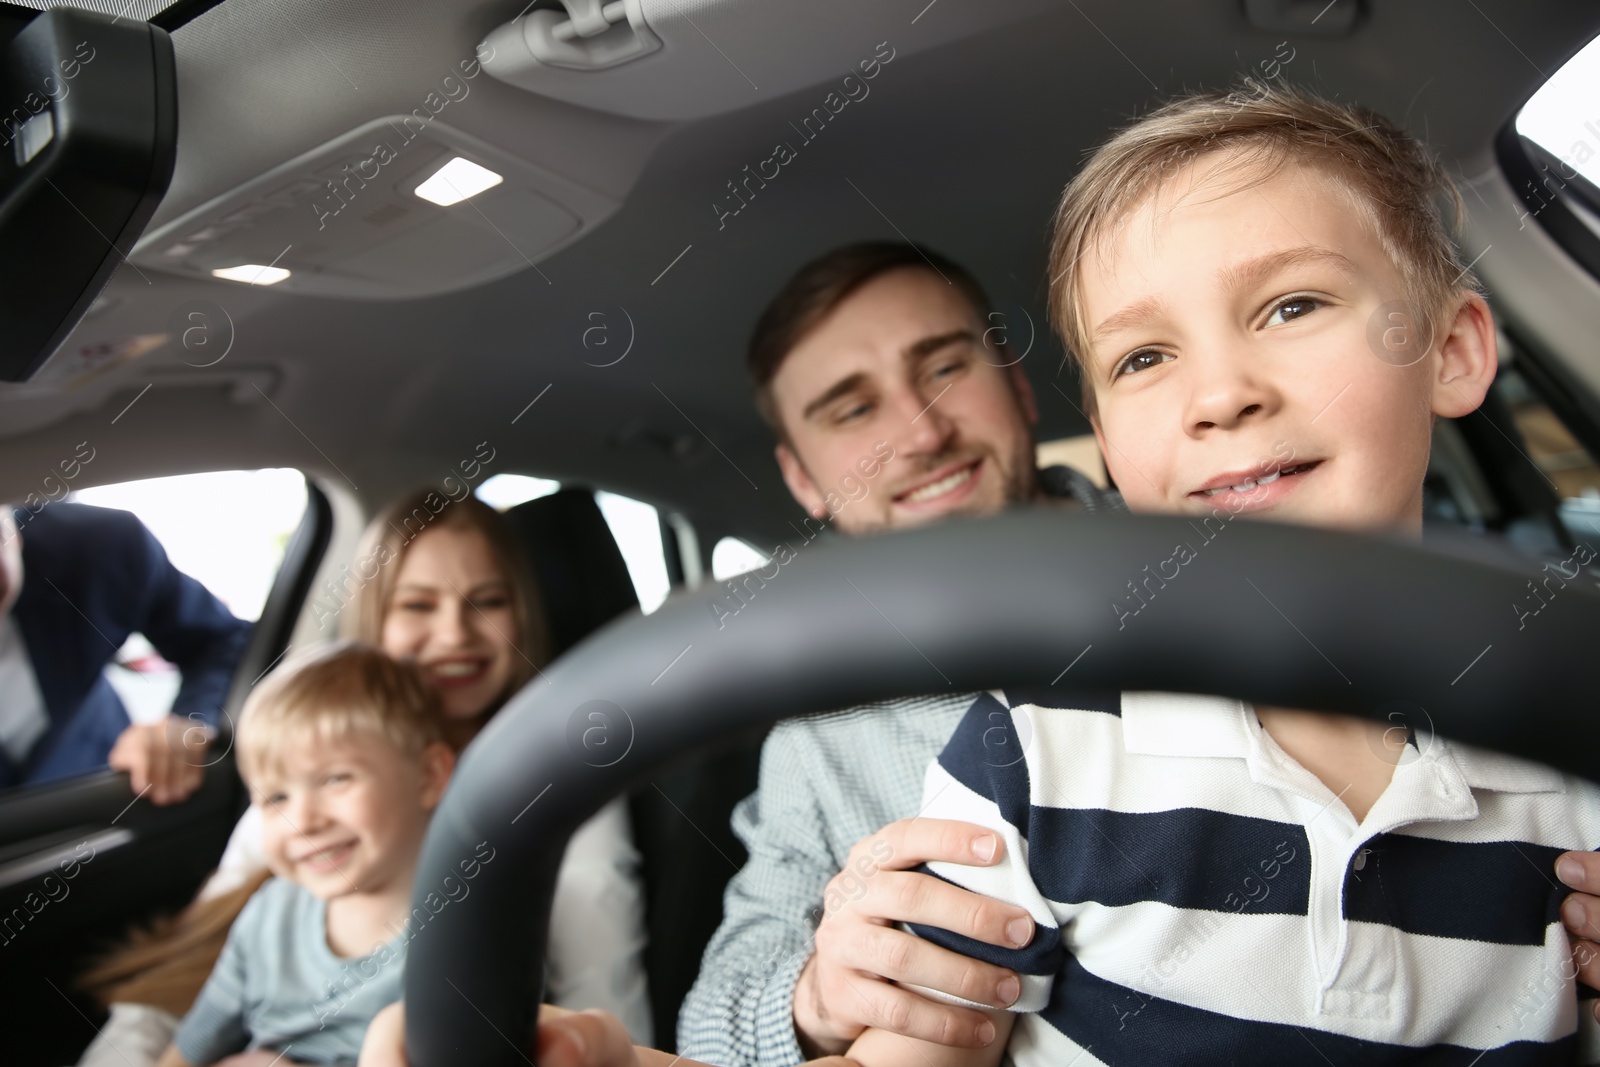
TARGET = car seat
x,y
680,819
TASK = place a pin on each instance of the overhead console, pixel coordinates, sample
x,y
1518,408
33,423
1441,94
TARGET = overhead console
x,y
406,205
672,60
402,206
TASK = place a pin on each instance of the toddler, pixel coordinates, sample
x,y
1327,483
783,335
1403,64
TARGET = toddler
x,y
344,755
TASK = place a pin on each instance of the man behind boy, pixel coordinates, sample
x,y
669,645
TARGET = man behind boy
x,y
872,350
1216,882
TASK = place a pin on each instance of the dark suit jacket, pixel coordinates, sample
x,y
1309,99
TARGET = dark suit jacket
x,y
90,577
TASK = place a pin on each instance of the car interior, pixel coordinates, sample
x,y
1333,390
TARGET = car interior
x,y
363,241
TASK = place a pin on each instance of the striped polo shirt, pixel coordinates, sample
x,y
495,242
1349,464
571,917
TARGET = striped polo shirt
x,y
1200,897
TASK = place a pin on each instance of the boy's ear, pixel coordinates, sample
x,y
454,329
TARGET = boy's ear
x,y
438,763
801,487
1468,359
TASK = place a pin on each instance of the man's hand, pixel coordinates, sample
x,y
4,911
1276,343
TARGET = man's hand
x,y
164,757
566,1039
849,983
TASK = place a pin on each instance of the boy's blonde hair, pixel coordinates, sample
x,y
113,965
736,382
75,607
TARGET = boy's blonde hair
x,y
1390,176
333,693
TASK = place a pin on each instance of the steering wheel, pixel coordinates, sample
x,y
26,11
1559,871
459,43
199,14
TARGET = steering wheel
x,y
1276,615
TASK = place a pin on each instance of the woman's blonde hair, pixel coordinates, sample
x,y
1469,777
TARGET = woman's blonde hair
x,y
1390,178
390,535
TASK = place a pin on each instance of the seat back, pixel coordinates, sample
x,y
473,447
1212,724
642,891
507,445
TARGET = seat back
x,y
583,580
680,820
681,824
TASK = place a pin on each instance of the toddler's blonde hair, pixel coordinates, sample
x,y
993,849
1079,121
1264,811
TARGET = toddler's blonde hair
x,y
333,693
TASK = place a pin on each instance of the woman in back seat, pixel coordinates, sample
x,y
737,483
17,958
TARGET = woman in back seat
x,y
445,586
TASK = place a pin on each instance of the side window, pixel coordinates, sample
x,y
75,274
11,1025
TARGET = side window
x,y
1558,121
1550,157
637,528
734,555
85,644
227,530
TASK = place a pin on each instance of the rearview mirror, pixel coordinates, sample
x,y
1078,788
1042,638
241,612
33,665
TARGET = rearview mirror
x,y
88,137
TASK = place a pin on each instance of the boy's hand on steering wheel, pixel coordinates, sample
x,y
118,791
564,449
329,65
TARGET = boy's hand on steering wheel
x,y
850,982
1580,913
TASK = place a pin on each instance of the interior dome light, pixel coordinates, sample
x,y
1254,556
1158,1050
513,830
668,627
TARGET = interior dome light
x,y
252,274
457,180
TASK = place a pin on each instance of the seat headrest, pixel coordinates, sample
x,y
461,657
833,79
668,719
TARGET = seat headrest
x,y
583,581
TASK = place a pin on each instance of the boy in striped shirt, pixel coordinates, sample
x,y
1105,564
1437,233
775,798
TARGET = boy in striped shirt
x,y
1269,316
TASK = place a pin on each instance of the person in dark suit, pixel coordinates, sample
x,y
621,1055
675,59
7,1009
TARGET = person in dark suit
x,y
71,591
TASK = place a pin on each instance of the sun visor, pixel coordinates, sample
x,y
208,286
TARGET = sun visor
x,y
396,208
674,60
88,138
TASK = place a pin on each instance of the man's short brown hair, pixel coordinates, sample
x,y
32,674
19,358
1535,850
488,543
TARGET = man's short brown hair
x,y
819,287
1391,178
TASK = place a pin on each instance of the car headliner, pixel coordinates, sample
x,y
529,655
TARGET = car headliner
x,y
963,147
